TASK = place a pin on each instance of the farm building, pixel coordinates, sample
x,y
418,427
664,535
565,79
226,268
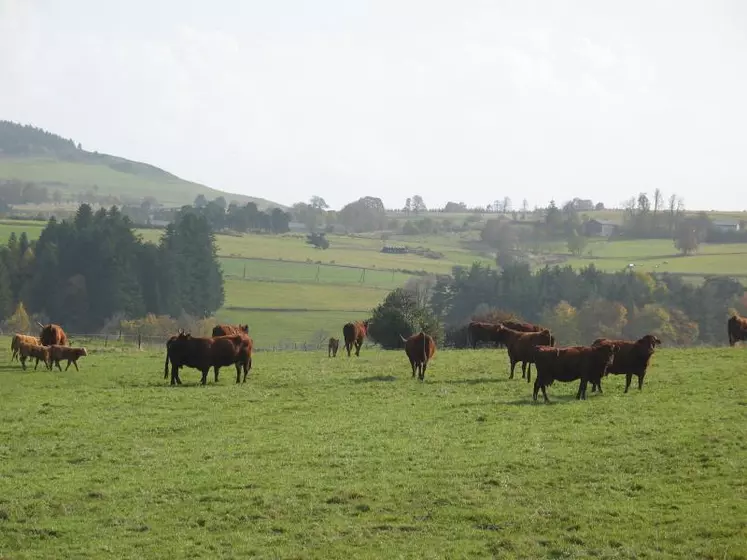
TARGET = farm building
x,y
725,225
600,228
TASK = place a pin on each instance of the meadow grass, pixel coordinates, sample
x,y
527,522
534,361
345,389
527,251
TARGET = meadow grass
x,y
351,458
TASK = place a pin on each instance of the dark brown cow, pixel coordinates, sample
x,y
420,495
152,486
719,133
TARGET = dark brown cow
x,y
632,358
202,353
487,332
521,346
353,334
522,327
419,348
226,330
332,346
52,334
737,329
26,351
586,363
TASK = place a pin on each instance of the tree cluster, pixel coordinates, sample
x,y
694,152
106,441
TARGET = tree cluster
x,y
585,304
246,218
82,272
402,314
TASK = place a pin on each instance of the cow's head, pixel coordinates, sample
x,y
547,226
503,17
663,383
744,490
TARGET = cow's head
x,y
607,351
244,328
650,342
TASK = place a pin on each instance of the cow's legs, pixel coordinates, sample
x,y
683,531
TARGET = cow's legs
x,y
205,372
513,365
422,372
413,366
628,379
36,365
58,365
348,346
529,371
358,347
640,380
581,394
216,369
247,367
536,388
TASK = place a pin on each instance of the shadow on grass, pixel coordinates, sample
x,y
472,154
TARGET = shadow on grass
x,y
375,378
540,401
478,381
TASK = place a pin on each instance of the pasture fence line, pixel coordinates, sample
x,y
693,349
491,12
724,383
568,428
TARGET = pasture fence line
x,y
139,341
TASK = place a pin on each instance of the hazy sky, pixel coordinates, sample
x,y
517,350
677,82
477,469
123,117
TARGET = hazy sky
x,y
462,100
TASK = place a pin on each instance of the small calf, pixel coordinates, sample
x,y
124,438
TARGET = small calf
x,y
42,353
57,353
334,344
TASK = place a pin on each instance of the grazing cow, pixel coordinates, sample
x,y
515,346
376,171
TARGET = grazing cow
x,y
202,353
569,364
52,334
478,331
522,327
521,346
419,349
632,358
353,334
26,351
737,329
226,330
334,344
17,339
58,353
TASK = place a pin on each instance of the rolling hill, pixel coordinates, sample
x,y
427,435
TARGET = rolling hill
x,y
33,155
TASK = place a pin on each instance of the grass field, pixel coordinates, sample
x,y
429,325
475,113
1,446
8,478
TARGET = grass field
x,y
74,177
351,458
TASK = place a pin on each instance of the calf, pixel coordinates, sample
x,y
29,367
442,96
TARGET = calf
x,y
332,346
521,346
736,327
569,364
419,348
632,358
18,338
37,351
58,353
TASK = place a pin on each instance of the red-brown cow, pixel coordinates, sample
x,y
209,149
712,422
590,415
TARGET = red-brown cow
x,y
632,358
737,329
227,330
353,334
586,363
202,353
52,334
479,331
520,346
419,348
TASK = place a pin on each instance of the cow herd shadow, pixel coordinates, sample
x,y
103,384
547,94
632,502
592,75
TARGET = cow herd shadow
x,y
375,378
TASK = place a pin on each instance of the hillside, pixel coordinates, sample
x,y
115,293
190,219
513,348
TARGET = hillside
x,y
32,155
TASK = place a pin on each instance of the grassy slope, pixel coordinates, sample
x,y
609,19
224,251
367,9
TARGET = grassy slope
x,y
344,458
75,177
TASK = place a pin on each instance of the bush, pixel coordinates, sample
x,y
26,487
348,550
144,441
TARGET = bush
x,y
400,315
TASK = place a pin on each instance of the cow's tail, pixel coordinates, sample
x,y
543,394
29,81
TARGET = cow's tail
x,y
166,365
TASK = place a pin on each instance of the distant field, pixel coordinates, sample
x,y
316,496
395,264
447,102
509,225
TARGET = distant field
x,y
350,457
74,177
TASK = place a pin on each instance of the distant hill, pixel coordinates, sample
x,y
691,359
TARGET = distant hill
x,y
33,155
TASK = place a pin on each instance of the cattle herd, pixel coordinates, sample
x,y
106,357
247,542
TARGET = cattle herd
x,y
231,345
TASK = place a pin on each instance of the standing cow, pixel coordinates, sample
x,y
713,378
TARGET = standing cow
x,y
353,334
419,348
632,358
202,353
736,327
225,330
52,334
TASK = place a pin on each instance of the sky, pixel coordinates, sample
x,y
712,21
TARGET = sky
x,y
467,100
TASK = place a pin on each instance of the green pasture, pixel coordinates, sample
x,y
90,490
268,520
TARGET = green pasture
x,y
351,457
81,176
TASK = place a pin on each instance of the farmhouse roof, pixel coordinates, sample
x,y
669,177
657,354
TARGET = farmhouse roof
x,y
725,222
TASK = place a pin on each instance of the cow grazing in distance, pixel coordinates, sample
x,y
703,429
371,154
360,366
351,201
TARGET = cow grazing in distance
x,y
202,353
736,327
226,330
419,348
58,353
52,334
477,331
632,358
522,327
39,352
332,346
18,338
353,334
588,364
521,346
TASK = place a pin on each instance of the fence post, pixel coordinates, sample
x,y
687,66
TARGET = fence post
x,y
120,335
139,340
106,341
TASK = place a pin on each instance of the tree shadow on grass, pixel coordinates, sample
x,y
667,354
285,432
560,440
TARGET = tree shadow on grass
x,y
477,381
557,399
374,379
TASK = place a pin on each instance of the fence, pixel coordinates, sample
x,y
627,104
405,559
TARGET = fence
x,y
155,342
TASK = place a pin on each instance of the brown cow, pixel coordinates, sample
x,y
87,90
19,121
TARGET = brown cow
x,y
52,334
353,334
226,330
521,346
202,353
419,348
487,332
332,346
586,363
26,351
18,338
632,358
58,353
522,327
737,329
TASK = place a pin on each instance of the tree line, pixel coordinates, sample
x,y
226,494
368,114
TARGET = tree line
x,y
88,270
578,305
